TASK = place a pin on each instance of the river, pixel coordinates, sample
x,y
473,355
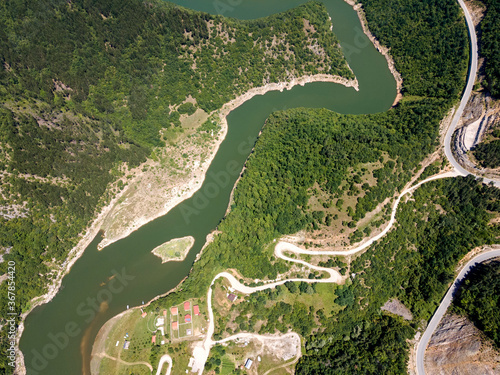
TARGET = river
x,y
58,336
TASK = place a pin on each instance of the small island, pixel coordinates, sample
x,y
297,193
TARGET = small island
x,y
175,249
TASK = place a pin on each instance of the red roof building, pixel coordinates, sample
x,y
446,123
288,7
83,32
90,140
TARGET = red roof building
x,y
231,297
164,312
174,325
196,310
187,306
153,339
173,310
144,314
187,318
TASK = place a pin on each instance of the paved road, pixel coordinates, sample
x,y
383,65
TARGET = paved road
x,y
447,144
424,341
202,350
465,98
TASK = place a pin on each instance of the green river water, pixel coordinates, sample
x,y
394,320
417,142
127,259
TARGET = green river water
x,y
58,336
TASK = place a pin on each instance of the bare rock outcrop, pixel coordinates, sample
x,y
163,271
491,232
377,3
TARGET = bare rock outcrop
x,y
394,306
480,115
457,347
475,108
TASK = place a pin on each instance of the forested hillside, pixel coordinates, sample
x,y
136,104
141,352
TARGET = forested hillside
x,y
86,88
479,298
488,154
414,264
298,149
418,51
301,147
490,48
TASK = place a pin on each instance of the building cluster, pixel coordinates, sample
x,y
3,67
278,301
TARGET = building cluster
x,y
174,311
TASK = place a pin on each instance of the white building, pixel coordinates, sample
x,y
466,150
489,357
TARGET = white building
x,y
248,363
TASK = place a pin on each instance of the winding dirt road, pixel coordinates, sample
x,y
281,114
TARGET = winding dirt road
x,y
202,349
119,360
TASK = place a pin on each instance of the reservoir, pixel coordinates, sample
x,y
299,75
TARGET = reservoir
x,y
58,336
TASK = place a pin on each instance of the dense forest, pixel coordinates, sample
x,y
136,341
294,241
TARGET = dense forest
x,y
397,24
490,48
488,153
479,298
86,87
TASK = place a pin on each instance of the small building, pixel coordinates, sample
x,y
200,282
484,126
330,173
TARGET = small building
x,y
153,339
160,322
248,363
174,311
174,325
187,318
164,312
126,344
144,314
196,310
162,331
231,297
188,332
187,306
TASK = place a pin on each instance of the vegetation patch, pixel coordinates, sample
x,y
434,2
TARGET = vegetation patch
x,y
479,298
175,249
490,27
111,366
300,307
488,153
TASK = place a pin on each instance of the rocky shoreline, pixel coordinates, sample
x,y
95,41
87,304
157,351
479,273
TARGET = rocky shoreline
x,y
358,7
